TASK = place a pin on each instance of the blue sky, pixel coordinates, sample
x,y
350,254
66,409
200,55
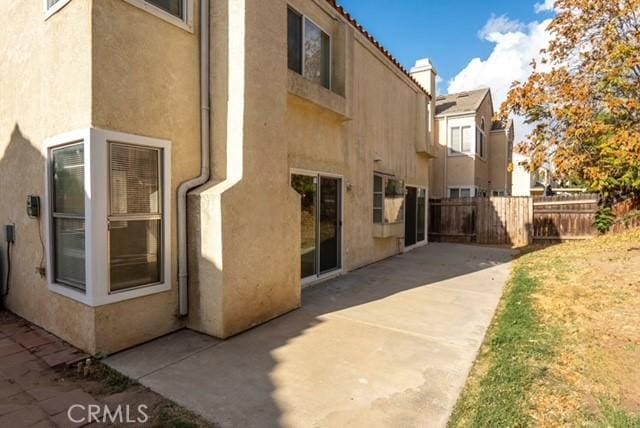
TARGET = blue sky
x,y
444,31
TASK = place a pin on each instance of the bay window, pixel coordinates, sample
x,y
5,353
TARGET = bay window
x,y
388,200
135,217
461,140
68,215
108,216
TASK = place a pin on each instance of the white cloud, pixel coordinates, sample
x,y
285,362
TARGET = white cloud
x,y
497,25
516,45
545,6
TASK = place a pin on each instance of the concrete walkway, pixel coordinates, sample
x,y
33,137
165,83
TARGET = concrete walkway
x,y
387,345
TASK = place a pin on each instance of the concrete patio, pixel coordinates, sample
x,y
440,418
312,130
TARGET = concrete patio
x,y
390,344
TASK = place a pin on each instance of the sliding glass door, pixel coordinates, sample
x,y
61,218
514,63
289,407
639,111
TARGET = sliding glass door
x,y
320,223
415,216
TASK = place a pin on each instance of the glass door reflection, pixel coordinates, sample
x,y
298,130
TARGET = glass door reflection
x,y
320,223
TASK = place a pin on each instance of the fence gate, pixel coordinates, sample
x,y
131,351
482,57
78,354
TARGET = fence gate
x,y
492,220
558,218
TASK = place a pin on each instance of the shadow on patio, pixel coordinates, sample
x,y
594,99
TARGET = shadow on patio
x,y
387,345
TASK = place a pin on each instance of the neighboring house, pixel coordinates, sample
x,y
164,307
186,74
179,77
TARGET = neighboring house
x,y
473,153
303,145
523,180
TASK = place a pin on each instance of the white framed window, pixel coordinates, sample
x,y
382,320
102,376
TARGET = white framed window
x,y
388,199
308,49
461,140
52,6
108,211
498,193
463,192
177,12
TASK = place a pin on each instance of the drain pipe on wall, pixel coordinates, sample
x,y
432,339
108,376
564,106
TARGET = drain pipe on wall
x,y
205,170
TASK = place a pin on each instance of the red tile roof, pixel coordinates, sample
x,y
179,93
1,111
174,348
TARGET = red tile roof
x,y
377,44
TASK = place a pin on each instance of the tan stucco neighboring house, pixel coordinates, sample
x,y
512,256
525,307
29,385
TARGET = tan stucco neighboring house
x,y
302,144
473,152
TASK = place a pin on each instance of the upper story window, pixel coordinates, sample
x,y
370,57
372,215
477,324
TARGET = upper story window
x,y
174,7
308,48
480,139
177,12
480,143
388,199
461,140
109,219
52,6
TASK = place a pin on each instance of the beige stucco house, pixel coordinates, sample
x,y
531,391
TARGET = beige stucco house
x,y
197,163
473,152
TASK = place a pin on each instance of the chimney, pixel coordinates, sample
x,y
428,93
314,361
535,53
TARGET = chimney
x,y
424,72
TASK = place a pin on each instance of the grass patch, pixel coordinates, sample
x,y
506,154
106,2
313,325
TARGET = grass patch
x,y
564,345
514,353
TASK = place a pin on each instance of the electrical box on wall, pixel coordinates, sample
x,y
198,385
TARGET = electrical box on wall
x,y
33,206
10,233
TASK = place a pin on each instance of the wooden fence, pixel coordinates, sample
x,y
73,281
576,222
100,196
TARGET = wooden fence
x,y
492,220
627,215
513,220
566,217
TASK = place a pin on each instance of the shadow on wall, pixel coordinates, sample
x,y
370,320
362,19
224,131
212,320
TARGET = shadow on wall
x,y
21,174
261,377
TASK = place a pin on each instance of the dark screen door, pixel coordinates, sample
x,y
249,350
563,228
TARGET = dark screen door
x,y
329,224
410,221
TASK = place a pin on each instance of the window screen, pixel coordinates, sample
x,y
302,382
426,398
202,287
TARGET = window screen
x,y
135,220
174,7
68,215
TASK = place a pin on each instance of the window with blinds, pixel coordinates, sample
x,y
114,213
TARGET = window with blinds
x,y
135,216
68,215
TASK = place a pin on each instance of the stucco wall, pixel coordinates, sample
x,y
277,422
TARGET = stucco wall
x,y
145,81
376,133
111,65
45,90
498,161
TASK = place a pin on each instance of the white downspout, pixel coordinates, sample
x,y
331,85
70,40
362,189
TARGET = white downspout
x,y
205,170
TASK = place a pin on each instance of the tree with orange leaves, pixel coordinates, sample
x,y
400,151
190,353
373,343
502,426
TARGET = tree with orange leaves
x,y
583,99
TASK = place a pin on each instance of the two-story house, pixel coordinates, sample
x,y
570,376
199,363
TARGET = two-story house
x,y
198,162
473,152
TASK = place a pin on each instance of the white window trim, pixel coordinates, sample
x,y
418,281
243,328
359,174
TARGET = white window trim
x,y
304,19
50,11
96,173
472,189
185,23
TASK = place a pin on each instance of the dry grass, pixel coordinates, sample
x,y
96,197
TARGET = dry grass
x,y
586,306
591,291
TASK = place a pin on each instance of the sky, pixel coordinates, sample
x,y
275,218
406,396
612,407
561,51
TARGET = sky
x,y
472,44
